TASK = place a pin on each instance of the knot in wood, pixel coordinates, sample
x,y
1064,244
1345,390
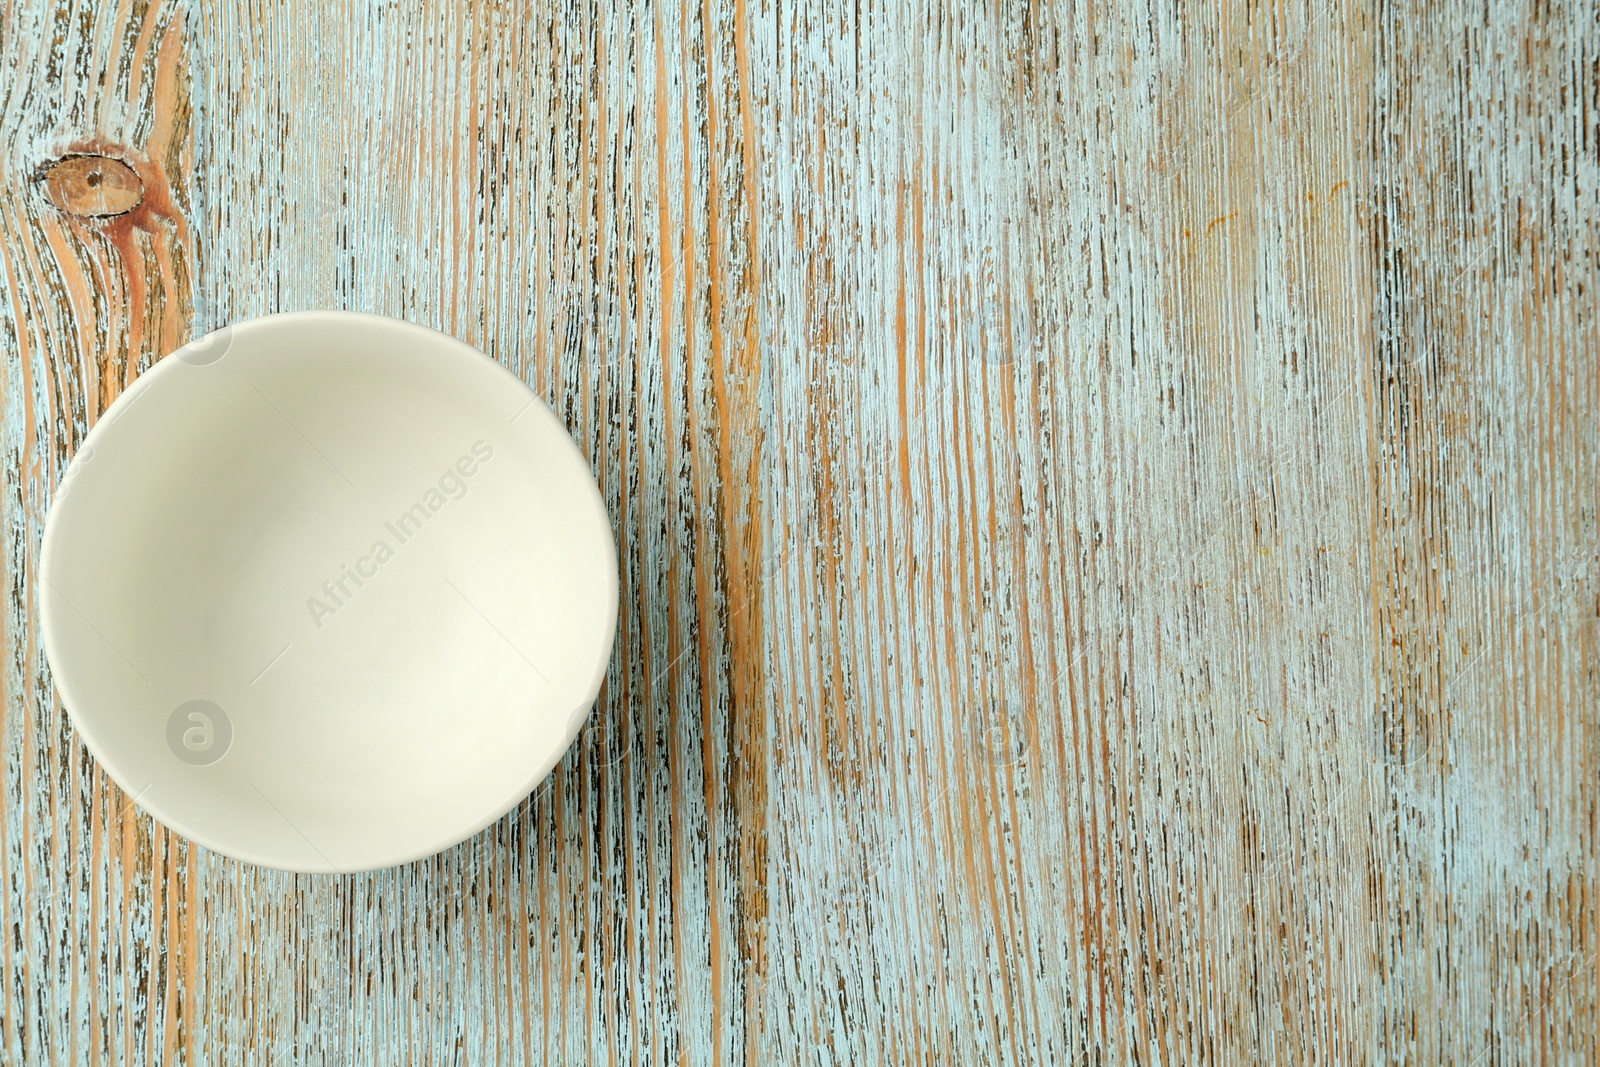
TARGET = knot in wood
x,y
94,186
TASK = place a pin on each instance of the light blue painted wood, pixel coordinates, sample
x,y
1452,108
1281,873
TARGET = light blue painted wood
x,y
1106,504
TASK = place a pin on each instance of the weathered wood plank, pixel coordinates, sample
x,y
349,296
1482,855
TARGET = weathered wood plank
x,y
1125,467
98,944
1485,424
565,188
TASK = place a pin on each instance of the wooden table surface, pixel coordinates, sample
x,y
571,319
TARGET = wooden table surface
x,y
1106,495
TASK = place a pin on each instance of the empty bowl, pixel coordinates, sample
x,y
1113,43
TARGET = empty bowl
x,y
328,591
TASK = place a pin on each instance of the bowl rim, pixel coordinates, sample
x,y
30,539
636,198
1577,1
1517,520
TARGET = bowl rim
x,y
447,347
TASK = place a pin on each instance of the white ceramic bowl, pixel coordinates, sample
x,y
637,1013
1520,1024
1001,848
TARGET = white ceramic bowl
x,y
328,591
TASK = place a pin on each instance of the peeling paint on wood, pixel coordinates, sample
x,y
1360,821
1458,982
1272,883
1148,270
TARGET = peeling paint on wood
x,y
1107,501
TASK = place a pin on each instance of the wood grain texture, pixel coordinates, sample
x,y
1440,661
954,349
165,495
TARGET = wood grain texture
x,y
96,898
1107,501
563,188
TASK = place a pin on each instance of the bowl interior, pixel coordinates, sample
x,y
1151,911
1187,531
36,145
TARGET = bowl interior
x,y
329,591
